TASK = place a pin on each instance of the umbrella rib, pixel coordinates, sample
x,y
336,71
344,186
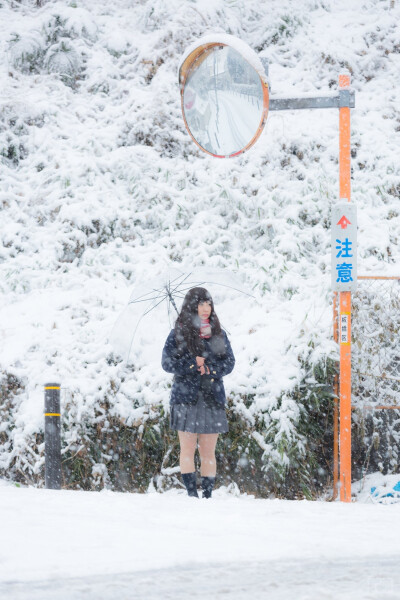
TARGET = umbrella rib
x,y
143,298
178,284
133,336
159,290
179,276
183,289
137,325
230,287
194,284
146,299
153,307
167,286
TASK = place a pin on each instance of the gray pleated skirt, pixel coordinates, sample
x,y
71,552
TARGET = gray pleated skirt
x,y
199,417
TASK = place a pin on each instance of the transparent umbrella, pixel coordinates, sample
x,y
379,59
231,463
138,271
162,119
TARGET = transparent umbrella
x,y
154,306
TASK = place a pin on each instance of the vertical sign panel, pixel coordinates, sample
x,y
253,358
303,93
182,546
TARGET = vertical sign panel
x,y
344,247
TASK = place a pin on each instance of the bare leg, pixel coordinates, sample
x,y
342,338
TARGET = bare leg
x,y
188,442
207,443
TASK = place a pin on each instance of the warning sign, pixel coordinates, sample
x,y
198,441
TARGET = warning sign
x,y
344,247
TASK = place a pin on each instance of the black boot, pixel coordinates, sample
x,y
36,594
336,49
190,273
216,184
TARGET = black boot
x,y
189,479
207,484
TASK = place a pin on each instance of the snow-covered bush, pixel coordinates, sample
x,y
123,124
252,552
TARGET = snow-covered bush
x,y
14,135
284,26
63,59
69,22
52,45
13,459
26,53
285,451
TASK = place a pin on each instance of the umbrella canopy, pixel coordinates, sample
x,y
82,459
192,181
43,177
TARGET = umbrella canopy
x,y
154,306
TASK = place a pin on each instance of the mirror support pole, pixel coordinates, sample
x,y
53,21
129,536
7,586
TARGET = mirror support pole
x,y
343,100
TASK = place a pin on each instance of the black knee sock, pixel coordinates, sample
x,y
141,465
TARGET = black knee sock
x,y
207,484
189,479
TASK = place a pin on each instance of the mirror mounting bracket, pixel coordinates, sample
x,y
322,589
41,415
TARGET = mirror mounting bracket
x,y
265,64
343,98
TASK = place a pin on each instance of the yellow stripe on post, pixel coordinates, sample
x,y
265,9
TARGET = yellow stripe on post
x,y
52,388
52,415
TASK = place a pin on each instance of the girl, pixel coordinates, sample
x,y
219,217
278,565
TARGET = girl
x,y
199,354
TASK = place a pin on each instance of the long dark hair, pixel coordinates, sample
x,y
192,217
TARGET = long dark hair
x,y
187,325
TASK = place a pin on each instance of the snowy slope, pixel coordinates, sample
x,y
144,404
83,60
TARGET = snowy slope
x,y
101,188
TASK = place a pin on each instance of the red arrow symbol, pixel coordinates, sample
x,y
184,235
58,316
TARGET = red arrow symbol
x,y
344,222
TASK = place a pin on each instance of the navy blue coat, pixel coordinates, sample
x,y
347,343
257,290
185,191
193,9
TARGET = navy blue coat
x,y
187,378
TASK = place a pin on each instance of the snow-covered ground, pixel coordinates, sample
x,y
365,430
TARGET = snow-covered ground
x,y
104,545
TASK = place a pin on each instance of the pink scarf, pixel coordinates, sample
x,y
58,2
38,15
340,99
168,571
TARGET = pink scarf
x,y
205,328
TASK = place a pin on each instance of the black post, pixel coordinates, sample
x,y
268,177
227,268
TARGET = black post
x,y
52,437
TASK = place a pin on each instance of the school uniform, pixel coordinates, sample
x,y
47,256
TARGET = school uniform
x,y
198,401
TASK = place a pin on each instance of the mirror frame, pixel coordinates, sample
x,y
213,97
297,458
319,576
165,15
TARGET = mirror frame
x,y
186,68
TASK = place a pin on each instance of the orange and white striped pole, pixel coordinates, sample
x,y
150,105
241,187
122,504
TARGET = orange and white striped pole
x,y
345,307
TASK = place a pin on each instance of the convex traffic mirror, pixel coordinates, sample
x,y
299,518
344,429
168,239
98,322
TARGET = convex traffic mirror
x,y
224,95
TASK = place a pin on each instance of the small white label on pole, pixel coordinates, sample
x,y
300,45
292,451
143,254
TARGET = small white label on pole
x,y
344,328
344,247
